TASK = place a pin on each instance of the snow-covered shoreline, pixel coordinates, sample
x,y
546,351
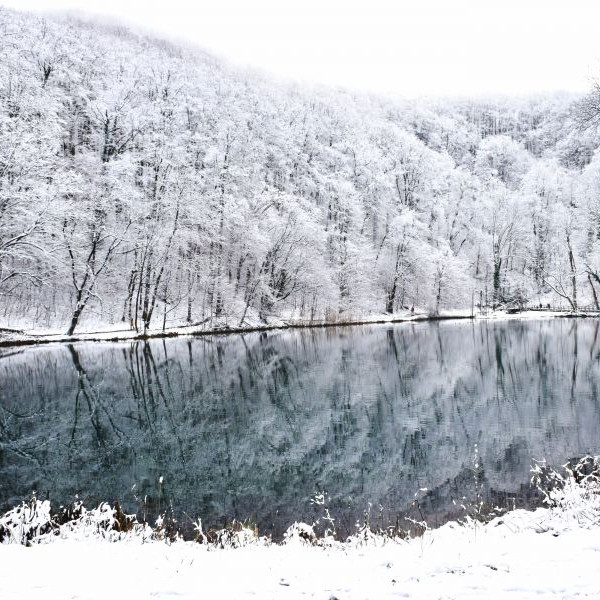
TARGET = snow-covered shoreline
x,y
489,562
550,551
14,337
547,552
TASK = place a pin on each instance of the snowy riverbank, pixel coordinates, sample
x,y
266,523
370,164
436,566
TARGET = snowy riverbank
x,y
550,552
521,556
112,333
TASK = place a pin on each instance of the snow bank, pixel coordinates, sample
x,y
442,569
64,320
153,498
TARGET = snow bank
x,y
552,551
106,333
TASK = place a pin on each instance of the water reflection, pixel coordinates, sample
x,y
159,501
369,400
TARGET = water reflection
x,y
254,425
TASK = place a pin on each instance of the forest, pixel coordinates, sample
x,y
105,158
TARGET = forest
x,y
147,183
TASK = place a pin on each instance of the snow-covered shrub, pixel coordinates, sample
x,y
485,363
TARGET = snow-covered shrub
x,y
33,522
166,528
574,494
300,533
477,509
236,535
26,523
365,536
105,521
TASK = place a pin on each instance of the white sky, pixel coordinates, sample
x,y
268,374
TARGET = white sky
x,y
441,47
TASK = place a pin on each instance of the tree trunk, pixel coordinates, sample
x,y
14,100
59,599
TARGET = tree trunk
x,y
497,270
593,292
79,306
573,273
391,297
74,320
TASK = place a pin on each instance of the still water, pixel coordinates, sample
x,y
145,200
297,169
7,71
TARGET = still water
x,y
253,426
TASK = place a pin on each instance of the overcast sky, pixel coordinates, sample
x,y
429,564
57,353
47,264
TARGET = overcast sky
x,y
442,47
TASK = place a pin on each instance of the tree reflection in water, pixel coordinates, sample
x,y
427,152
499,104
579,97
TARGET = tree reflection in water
x,y
251,426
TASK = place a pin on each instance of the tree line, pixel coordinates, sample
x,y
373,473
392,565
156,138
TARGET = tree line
x,y
149,184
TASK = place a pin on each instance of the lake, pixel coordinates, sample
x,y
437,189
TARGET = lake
x,y
254,426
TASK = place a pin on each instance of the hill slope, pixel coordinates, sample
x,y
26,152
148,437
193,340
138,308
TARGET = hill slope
x,y
145,182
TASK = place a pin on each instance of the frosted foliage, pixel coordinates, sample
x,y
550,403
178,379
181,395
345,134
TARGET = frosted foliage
x,y
571,493
151,185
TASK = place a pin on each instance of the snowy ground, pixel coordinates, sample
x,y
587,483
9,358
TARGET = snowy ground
x,y
548,553
523,555
119,332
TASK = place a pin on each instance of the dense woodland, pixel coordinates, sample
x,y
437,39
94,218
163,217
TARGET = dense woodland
x,y
148,183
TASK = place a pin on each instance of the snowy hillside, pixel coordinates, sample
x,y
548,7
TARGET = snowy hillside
x,y
148,183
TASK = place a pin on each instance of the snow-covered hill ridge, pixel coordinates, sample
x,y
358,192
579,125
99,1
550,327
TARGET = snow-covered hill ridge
x,y
146,183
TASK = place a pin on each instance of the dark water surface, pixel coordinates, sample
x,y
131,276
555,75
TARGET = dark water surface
x,y
252,426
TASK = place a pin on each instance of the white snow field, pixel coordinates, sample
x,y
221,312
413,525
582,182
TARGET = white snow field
x,y
548,553
525,555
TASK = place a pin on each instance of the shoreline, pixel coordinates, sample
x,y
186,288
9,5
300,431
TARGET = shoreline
x,y
16,338
520,553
